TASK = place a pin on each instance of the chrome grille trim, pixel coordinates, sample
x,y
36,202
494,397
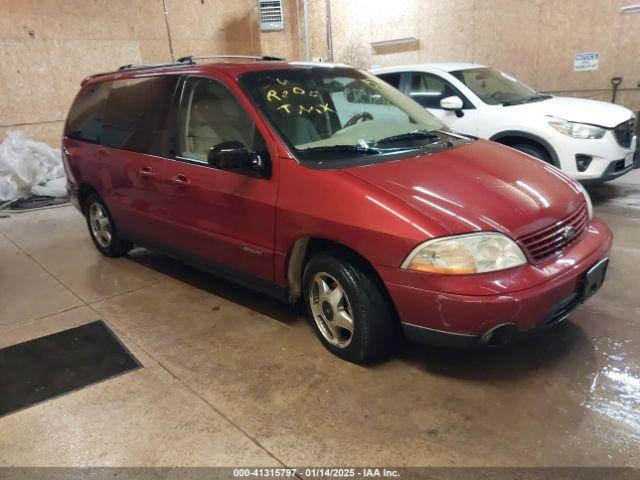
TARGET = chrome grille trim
x,y
552,240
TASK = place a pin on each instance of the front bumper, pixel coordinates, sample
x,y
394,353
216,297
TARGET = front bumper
x,y
608,157
441,338
455,318
614,170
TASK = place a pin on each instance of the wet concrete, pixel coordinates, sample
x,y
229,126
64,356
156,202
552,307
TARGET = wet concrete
x,y
234,378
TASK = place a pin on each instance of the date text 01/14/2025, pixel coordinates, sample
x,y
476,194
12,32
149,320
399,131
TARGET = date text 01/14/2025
x,y
316,472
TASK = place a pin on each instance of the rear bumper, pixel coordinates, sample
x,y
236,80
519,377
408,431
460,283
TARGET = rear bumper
x,y
72,192
459,320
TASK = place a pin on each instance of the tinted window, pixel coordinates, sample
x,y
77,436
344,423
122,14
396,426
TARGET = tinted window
x,y
210,115
136,115
392,79
86,114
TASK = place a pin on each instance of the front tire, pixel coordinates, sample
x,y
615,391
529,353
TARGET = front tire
x,y
103,230
350,315
534,151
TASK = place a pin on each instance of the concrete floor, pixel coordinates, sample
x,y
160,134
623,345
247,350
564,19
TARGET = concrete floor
x,y
233,378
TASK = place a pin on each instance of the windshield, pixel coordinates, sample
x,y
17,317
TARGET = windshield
x,y
495,87
335,113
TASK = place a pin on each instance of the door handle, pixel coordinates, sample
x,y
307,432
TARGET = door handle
x,y
146,173
180,180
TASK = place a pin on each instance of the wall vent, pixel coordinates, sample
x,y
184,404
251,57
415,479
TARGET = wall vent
x,y
271,15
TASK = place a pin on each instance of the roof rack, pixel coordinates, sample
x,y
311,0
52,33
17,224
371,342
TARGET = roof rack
x,y
189,60
130,67
155,65
265,58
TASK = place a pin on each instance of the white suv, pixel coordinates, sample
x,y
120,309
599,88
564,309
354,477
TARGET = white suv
x,y
591,141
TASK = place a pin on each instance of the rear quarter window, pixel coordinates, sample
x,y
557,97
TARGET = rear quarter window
x,y
137,115
86,115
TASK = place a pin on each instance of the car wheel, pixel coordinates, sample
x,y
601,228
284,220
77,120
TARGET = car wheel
x,y
349,313
103,229
534,151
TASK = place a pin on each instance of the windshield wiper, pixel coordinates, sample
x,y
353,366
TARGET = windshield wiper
x,y
458,135
343,148
539,97
534,98
416,134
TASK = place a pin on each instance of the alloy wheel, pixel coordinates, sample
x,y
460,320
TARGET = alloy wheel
x,y
100,226
331,310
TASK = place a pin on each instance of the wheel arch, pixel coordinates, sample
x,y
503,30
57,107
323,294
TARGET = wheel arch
x,y
513,137
84,191
303,249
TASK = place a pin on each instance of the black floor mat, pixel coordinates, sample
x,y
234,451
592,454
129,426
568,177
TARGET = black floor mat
x,y
46,367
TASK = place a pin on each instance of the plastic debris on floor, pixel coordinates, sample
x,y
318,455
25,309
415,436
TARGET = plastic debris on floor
x,y
29,168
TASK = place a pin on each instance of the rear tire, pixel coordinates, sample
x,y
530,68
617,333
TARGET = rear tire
x,y
535,151
349,313
103,230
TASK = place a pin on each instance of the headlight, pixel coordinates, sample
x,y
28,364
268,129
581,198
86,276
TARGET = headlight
x,y
578,130
465,254
587,199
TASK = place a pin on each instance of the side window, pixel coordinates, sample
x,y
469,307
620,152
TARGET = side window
x,y
392,79
136,115
209,115
428,90
87,113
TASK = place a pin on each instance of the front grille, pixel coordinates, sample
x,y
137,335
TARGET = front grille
x,y
552,240
624,133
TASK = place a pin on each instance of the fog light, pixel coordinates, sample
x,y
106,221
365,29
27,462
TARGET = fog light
x,y
582,162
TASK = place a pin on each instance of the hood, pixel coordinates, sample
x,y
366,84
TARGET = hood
x,y
478,186
577,110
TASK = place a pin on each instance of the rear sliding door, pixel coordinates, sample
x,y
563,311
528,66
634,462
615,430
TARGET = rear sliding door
x,y
135,143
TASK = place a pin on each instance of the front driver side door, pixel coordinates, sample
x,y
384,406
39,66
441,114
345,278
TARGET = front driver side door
x,y
221,218
428,89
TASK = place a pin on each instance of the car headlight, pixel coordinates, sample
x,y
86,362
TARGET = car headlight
x,y
465,254
578,130
587,199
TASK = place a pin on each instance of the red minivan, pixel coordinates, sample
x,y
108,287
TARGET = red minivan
x,y
324,183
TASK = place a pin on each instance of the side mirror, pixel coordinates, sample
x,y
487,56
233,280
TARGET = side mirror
x,y
233,155
451,103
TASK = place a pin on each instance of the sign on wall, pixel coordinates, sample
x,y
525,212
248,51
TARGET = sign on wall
x,y
584,62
